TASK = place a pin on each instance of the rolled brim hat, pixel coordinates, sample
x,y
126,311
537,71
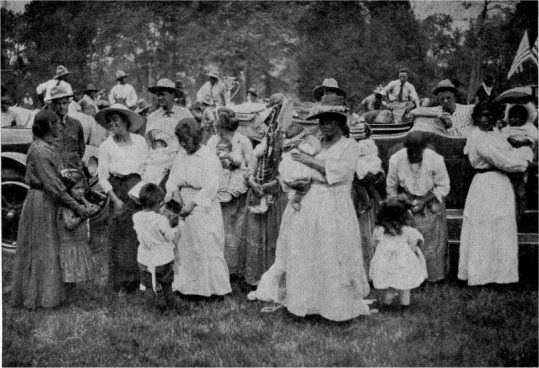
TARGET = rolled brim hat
x,y
90,88
444,85
58,92
330,105
165,84
61,71
135,120
328,84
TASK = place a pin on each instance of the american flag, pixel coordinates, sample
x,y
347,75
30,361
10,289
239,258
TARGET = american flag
x,y
523,54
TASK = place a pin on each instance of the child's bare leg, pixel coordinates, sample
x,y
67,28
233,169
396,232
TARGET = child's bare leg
x,y
388,296
404,297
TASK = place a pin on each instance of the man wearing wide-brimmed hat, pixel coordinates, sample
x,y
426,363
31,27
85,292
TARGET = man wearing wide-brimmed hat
x,y
70,143
123,92
9,117
375,101
169,113
214,88
60,79
449,117
329,87
89,100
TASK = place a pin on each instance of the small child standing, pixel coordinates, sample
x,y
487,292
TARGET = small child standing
x,y
233,173
523,136
76,261
398,264
156,250
295,175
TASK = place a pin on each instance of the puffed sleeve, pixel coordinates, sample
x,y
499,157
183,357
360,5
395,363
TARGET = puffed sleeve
x,y
506,160
103,167
210,186
392,180
440,178
413,237
342,165
49,173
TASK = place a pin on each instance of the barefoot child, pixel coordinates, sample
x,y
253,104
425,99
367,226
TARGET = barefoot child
x,y
156,250
398,264
75,255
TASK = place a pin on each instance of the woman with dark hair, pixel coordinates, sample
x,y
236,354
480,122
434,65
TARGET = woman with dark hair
x,y
194,180
419,174
121,162
318,266
37,279
242,164
488,242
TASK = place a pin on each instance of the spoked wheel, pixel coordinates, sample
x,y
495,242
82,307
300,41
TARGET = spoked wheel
x,y
13,195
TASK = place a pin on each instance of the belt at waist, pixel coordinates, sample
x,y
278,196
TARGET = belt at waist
x,y
482,171
124,177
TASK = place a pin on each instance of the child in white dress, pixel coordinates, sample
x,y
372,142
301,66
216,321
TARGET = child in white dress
x,y
156,251
398,264
295,175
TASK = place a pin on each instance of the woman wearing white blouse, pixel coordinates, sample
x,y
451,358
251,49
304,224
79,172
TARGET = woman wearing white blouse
x,y
194,178
420,174
121,161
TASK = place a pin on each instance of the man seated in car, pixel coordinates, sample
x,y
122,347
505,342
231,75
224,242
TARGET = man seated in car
x,y
448,117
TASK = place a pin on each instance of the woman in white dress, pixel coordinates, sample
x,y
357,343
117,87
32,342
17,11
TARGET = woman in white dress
x,y
488,241
319,264
194,178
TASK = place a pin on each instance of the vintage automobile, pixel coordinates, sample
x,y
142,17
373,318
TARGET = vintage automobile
x,y
15,143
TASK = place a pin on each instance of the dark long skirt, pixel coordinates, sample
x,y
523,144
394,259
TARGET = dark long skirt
x,y
261,239
37,279
123,242
234,213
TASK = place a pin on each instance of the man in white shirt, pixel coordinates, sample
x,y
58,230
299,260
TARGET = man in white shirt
x,y
214,88
400,90
449,117
59,80
9,117
123,92
169,114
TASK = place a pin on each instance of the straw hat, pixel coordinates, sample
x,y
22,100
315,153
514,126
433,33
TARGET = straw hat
x,y
330,105
61,71
120,74
90,88
444,85
165,84
59,92
329,84
142,106
213,74
135,120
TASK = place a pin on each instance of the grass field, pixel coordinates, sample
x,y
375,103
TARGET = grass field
x,y
447,325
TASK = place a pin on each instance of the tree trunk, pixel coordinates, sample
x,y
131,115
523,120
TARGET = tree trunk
x,y
475,74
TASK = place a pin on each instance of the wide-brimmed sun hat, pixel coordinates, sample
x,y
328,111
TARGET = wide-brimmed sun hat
x,y
252,91
165,84
213,73
329,84
58,92
135,120
120,74
330,104
61,71
142,106
443,86
90,88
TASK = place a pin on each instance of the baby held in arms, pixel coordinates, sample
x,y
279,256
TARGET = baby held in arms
x,y
295,175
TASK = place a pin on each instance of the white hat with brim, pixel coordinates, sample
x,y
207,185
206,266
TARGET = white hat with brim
x,y
213,74
443,86
58,92
121,74
330,105
135,120
165,84
329,84
61,71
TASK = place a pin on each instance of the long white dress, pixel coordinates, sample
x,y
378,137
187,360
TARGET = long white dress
x,y
202,270
318,267
488,241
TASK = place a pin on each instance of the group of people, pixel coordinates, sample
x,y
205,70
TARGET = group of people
x,y
298,220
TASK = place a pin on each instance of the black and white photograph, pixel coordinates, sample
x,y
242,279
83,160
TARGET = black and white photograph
x,y
269,183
